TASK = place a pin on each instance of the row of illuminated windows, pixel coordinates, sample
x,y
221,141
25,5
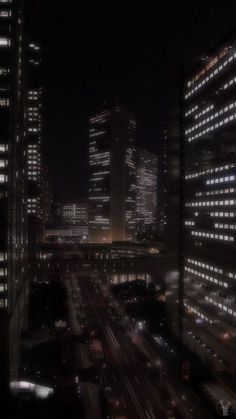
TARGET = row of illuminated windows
x,y
211,117
4,71
205,266
208,171
4,103
105,172
226,226
207,277
5,13
229,83
99,197
3,148
220,180
206,110
34,161
31,211
100,155
34,151
3,257
210,76
104,163
193,310
189,223
223,214
34,92
220,305
99,222
33,129
217,192
3,163
95,134
190,111
3,272
96,159
100,119
34,46
5,42
213,127
212,236
211,203
35,62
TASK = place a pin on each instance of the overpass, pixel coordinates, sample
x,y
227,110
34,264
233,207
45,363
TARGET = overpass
x,y
115,259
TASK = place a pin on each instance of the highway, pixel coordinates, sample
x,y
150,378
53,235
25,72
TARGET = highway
x,y
124,376
139,377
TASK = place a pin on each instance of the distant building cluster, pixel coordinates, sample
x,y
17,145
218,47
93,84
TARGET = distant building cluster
x,y
122,196
70,223
122,180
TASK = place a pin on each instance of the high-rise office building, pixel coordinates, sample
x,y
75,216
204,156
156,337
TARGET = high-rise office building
x,y
112,176
74,213
70,219
34,131
146,197
162,185
13,193
174,277
208,264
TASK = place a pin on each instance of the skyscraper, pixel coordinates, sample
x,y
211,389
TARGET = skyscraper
x,y
112,176
13,197
72,216
146,198
208,238
162,185
34,130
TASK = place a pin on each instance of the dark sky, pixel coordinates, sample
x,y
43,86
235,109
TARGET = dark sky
x,y
108,49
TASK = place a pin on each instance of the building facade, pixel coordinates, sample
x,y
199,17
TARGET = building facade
x,y
13,189
112,176
162,186
70,222
146,196
34,129
209,209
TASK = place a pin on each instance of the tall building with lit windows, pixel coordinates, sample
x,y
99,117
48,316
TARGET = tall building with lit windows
x,y
70,218
112,176
13,191
208,264
146,198
34,130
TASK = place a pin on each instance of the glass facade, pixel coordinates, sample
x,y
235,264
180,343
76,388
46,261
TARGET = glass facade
x,y
112,176
209,209
146,202
13,203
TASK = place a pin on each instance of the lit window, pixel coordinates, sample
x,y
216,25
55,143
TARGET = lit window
x,y
5,42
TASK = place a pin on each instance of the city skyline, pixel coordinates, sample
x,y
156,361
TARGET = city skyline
x,y
143,67
117,211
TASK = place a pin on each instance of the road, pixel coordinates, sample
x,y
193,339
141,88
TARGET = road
x,y
125,376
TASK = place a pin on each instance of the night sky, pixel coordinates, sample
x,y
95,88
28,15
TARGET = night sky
x,y
137,53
